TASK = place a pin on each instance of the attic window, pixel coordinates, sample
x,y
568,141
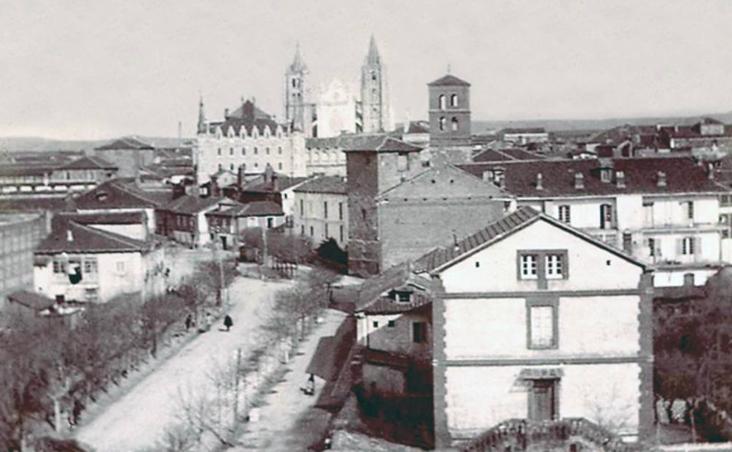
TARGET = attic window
x,y
102,196
402,296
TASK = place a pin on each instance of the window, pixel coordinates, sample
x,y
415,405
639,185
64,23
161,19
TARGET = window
x,y
528,266
266,151
690,210
279,149
391,323
325,209
375,323
564,214
90,265
231,166
302,229
687,246
403,296
419,332
651,246
279,165
221,166
340,211
58,266
442,123
302,208
270,221
606,216
91,294
443,102
231,151
454,100
219,151
255,150
688,279
341,233
648,213
542,325
243,151
454,124
627,242
312,232
726,200
554,266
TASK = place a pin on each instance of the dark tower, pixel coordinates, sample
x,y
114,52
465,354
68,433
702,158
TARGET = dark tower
x,y
449,111
201,117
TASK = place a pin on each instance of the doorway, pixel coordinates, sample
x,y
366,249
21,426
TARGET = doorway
x,y
543,400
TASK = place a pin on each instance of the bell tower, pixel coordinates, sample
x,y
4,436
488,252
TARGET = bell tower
x,y
295,92
374,95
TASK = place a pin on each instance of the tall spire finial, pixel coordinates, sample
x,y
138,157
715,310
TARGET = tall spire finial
x,y
373,55
201,115
297,64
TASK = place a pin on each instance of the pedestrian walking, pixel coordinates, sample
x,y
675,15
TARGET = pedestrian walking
x,y
189,322
228,322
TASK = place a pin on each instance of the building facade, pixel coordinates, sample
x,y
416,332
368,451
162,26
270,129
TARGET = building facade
x,y
571,345
52,179
321,210
375,93
449,112
129,154
664,211
19,235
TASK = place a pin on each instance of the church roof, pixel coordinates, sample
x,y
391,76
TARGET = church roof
x,y
449,80
297,63
248,116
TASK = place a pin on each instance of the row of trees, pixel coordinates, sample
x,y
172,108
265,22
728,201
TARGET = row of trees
x,y
692,350
48,368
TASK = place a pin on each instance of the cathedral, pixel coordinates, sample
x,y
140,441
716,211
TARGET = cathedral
x,y
338,107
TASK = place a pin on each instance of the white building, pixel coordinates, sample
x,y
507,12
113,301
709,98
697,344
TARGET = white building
x,y
536,320
85,264
338,110
321,210
664,211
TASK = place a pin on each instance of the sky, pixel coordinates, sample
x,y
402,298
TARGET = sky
x,y
97,69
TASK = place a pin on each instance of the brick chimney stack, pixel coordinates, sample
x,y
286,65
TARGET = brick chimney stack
x,y
579,181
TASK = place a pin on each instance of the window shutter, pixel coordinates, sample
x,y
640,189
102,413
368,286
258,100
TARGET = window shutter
x,y
679,247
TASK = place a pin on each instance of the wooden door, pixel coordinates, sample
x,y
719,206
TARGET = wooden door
x,y
542,401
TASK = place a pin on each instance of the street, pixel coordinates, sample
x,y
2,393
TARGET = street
x,y
138,418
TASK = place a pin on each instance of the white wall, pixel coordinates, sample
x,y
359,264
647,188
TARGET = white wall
x,y
480,397
498,264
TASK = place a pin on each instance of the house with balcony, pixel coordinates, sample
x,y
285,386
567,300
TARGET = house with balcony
x,y
525,335
664,211
85,264
184,219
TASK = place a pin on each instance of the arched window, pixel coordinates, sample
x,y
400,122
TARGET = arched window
x,y
454,124
442,123
443,102
454,100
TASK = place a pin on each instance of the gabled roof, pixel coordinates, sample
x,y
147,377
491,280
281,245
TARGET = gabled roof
x,y
372,291
88,162
251,209
683,175
379,143
439,182
282,183
190,205
125,143
441,258
324,184
85,239
448,80
499,155
247,116
119,194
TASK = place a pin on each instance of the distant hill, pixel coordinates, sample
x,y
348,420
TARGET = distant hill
x,y
15,144
554,125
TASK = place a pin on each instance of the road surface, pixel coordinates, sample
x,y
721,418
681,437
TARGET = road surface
x,y
138,419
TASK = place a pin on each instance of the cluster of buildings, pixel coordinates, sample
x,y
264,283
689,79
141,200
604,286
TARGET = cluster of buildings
x,y
504,281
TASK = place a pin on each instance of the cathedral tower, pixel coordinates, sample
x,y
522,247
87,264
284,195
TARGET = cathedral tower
x,y
201,117
374,92
295,105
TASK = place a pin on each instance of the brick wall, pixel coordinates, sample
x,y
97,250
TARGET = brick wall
x,y
362,187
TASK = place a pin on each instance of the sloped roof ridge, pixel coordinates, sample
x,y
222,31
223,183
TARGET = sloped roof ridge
x,y
127,241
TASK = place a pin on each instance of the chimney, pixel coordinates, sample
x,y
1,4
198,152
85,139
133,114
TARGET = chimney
x,y
226,113
620,179
138,164
69,235
275,183
710,171
539,182
215,189
240,174
661,182
579,181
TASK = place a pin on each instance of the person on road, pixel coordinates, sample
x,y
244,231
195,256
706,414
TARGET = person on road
x,y
189,322
228,322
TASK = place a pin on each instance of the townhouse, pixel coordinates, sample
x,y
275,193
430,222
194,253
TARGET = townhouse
x,y
184,219
227,222
321,210
664,211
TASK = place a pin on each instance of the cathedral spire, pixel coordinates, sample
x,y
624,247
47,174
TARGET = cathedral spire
x,y
373,55
297,63
201,116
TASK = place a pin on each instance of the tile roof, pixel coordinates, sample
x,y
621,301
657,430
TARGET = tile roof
x,y
519,130
379,143
251,209
104,218
85,239
448,80
372,293
26,169
125,143
247,116
88,162
324,184
33,203
388,305
494,231
683,175
283,183
418,127
119,194
190,205
499,155
31,300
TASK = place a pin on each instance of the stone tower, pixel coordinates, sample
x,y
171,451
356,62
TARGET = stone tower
x,y
449,112
374,92
295,105
201,117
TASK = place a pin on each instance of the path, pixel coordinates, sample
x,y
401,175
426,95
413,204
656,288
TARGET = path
x,y
275,430
137,420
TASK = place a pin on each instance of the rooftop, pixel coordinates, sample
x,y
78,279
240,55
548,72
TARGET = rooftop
x,y
121,193
130,143
324,184
251,209
70,236
379,143
448,80
188,204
